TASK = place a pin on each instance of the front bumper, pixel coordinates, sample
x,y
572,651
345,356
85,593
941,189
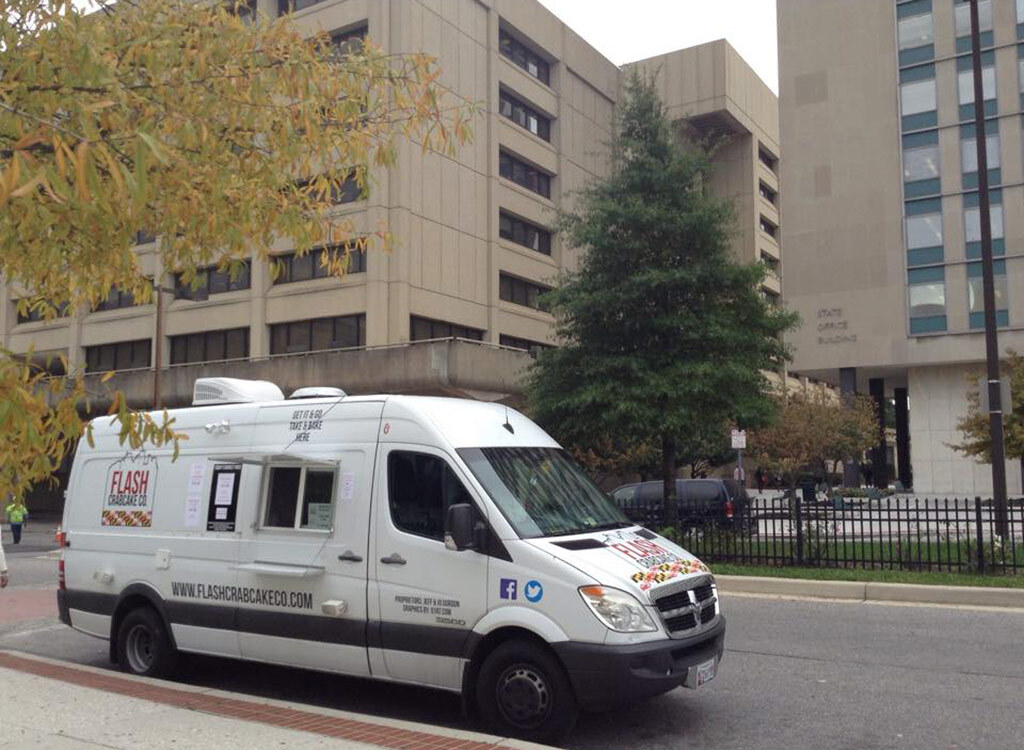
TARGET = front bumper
x,y
605,676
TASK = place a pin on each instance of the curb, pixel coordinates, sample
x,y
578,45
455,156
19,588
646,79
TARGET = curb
x,y
329,723
870,591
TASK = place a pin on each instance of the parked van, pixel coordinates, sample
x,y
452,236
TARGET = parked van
x,y
432,541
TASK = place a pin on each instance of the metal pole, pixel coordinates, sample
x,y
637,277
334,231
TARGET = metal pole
x,y
157,357
988,287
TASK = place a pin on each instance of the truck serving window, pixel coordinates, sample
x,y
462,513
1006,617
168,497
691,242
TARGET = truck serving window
x,y
287,485
542,492
420,489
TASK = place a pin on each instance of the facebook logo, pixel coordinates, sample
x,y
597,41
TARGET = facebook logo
x,y
508,588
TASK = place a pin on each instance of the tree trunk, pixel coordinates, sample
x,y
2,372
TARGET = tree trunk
x,y
668,476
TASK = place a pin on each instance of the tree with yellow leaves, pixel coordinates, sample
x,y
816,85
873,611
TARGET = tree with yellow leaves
x,y
974,425
220,132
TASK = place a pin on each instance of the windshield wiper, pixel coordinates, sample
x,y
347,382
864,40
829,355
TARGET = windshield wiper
x,y
610,525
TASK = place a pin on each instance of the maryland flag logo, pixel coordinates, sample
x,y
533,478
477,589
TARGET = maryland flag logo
x,y
666,571
142,518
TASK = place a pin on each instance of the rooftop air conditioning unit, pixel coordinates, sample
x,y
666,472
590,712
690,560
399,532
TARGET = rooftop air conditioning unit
x,y
210,391
318,391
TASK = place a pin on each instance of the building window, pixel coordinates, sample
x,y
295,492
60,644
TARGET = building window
x,y
145,236
1020,19
293,6
210,346
969,157
210,280
767,226
927,297
424,329
976,294
767,193
914,31
524,116
524,174
524,233
314,264
117,299
965,85
319,334
125,355
36,313
348,191
962,16
918,97
533,347
522,292
771,263
972,224
923,225
350,41
524,57
921,164
766,158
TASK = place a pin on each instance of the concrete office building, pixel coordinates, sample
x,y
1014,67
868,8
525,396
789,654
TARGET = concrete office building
x,y
881,230
474,232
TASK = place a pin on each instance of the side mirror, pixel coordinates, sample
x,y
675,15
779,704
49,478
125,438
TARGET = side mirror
x,y
459,531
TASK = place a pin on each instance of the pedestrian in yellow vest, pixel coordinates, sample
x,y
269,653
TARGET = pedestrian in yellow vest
x,y
16,512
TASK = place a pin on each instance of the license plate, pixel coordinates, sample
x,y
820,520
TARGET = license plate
x,y
705,672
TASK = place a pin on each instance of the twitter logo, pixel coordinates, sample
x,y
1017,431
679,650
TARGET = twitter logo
x,y
533,592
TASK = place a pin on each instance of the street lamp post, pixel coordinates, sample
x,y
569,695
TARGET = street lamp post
x,y
988,288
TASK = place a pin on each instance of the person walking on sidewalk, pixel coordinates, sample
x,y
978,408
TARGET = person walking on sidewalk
x,y
3,567
16,512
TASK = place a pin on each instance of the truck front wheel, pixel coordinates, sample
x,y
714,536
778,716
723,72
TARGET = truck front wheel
x,y
143,647
522,691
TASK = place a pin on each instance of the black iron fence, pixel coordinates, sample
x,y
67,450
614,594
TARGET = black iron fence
x,y
897,533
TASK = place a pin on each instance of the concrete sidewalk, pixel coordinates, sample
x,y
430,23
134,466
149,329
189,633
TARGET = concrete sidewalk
x,y
61,706
871,591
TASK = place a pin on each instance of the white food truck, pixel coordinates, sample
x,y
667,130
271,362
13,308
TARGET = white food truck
x,y
433,541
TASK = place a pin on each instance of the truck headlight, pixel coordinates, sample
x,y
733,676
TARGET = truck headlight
x,y
618,610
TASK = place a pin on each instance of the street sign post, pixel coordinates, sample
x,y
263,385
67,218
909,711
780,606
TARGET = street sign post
x,y
739,444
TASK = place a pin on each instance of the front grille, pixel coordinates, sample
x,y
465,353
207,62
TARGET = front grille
x,y
683,609
683,622
674,601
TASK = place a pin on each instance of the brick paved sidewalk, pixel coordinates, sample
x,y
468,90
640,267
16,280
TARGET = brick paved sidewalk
x,y
68,706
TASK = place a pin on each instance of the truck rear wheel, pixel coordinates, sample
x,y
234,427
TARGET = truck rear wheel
x,y
143,647
522,691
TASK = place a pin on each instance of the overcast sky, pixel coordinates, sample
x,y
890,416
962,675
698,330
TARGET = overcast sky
x,y
627,30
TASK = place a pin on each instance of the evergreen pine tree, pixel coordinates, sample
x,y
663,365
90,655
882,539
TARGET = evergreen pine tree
x,y
663,335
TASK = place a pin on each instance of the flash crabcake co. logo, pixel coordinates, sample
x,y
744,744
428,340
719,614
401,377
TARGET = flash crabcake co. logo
x,y
130,490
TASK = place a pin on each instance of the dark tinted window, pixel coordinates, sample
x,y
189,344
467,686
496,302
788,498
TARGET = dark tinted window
x,y
421,488
524,233
124,355
342,332
424,329
524,115
210,280
210,346
521,292
702,491
524,174
523,56
313,265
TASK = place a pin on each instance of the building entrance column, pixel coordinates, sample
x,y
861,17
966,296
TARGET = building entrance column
x,y
879,459
848,389
902,438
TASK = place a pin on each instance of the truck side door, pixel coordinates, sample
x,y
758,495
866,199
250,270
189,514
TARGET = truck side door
x,y
429,597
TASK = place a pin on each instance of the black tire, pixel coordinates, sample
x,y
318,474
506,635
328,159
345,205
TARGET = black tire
x,y
143,646
522,691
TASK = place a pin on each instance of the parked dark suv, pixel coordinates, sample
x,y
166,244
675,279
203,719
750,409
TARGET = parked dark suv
x,y
700,501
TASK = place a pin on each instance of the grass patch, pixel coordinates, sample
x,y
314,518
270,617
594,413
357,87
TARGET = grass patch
x,y
884,576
